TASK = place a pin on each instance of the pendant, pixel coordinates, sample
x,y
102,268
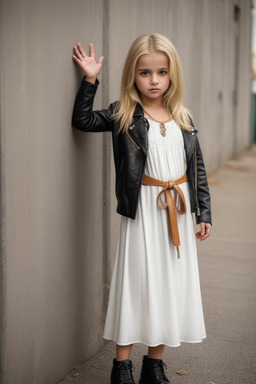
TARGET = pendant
x,y
163,129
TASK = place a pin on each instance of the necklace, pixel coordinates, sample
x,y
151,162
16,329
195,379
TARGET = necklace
x,y
162,124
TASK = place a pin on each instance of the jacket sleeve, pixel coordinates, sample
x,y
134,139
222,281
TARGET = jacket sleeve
x,y
84,118
203,193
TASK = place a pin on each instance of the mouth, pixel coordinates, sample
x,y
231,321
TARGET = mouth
x,y
154,89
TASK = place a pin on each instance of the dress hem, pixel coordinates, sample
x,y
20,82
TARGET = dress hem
x,y
156,345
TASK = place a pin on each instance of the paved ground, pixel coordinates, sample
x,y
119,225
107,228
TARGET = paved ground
x,y
228,281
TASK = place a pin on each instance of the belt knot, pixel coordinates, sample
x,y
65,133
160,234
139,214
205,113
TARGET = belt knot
x,y
170,185
170,203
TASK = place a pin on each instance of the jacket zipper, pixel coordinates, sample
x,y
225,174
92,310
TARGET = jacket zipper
x,y
198,213
118,176
132,140
122,162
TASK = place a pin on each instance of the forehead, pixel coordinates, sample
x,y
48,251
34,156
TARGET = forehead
x,y
153,60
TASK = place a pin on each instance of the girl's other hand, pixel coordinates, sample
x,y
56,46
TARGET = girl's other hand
x,y
205,231
88,64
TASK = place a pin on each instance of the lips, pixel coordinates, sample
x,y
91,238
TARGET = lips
x,y
154,89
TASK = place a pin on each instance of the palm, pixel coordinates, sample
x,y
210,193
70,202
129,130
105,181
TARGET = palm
x,y
88,64
90,67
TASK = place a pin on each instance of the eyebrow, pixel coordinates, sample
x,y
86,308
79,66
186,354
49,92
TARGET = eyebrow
x,y
147,69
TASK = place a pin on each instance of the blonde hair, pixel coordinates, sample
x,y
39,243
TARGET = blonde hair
x,y
130,95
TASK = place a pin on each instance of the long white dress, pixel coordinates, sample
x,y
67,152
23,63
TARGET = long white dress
x,y
155,297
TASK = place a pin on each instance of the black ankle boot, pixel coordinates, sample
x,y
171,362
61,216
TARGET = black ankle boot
x,y
122,372
152,372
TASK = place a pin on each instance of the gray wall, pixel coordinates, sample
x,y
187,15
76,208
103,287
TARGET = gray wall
x,y
59,227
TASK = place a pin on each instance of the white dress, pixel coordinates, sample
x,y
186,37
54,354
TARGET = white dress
x,y
155,297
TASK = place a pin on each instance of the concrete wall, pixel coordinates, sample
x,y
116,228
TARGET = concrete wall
x,y
204,33
59,226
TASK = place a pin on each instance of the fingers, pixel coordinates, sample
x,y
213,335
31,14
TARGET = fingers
x,y
202,225
79,52
91,50
205,231
76,59
92,53
101,60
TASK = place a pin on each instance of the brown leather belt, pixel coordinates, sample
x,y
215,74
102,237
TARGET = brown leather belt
x,y
170,202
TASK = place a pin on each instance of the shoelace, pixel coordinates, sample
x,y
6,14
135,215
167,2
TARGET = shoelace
x,y
159,372
126,373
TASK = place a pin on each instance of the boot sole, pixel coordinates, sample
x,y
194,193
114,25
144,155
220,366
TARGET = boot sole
x,y
146,382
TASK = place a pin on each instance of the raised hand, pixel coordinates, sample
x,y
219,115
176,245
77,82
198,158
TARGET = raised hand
x,y
88,64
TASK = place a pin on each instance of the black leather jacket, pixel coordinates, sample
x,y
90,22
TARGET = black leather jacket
x,y
130,153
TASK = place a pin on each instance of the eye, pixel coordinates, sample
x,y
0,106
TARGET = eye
x,y
144,73
163,73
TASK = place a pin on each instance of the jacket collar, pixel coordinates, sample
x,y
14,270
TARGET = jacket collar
x,y
138,112
189,142
139,134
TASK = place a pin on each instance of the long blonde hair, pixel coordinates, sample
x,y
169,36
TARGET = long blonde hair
x,y
130,95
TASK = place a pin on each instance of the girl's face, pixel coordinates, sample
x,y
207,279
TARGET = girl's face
x,y
152,76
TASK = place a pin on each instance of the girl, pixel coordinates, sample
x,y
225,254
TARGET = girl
x,y
155,294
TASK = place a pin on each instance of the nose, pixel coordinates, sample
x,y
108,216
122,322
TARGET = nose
x,y
154,79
